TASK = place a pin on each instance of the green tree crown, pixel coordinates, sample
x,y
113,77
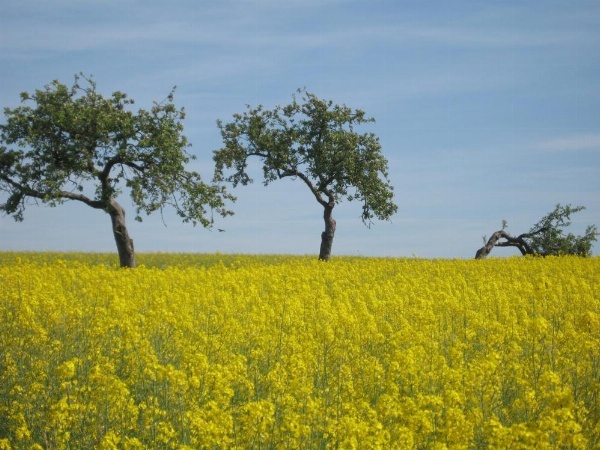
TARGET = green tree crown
x,y
73,136
314,140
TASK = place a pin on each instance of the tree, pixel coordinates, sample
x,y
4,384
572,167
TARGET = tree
x,y
313,141
74,144
546,237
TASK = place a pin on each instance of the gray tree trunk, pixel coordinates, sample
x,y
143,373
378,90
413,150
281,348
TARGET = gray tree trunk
x,y
510,241
484,251
327,235
122,239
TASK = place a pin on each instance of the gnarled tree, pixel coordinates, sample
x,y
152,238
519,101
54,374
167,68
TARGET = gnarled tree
x,y
313,141
74,144
546,237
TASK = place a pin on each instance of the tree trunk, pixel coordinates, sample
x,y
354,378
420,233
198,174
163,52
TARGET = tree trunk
x,y
510,241
327,235
484,251
122,239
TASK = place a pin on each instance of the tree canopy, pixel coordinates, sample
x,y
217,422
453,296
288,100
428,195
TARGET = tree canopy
x,y
312,140
547,237
71,143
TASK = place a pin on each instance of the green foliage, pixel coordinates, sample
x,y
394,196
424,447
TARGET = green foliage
x,y
72,138
313,140
547,237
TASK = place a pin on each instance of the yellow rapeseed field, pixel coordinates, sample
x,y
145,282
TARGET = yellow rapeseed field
x,y
222,351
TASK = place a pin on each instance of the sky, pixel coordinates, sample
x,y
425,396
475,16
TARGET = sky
x,y
485,110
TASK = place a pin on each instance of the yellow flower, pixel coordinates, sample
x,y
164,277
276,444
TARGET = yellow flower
x,y
202,351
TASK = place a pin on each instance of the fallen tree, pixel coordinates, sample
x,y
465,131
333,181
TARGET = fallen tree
x,y
546,237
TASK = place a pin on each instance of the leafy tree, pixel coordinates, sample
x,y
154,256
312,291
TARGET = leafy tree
x,y
74,144
546,237
313,141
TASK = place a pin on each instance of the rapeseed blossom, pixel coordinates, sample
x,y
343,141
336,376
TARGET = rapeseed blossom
x,y
231,351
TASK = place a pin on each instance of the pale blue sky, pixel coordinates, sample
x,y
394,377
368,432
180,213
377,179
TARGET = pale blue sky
x,y
486,110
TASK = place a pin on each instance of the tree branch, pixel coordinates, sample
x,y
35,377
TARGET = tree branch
x,y
511,241
31,192
312,188
259,154
97,204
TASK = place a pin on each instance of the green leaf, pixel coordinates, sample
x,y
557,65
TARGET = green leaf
x,y
312,140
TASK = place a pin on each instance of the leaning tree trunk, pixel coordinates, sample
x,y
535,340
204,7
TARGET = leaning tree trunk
x,y
327,235
122,239
484,251
509,241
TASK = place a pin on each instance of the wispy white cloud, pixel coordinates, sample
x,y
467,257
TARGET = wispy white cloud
x,y
573,143
482,37
276,24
